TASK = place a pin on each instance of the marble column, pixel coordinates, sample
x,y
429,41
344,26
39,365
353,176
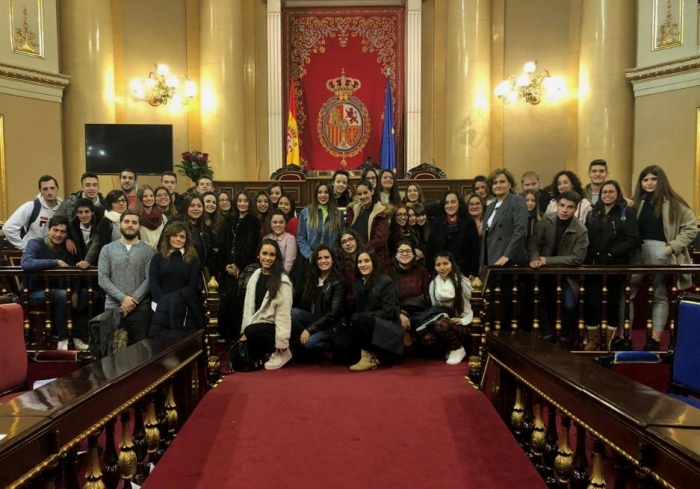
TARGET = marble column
x,y
468,88
605,99
222,87
413,83
275,118
87,56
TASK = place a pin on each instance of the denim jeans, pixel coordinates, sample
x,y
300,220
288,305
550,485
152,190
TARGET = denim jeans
x,y
653,253
549,308
301,319
59,310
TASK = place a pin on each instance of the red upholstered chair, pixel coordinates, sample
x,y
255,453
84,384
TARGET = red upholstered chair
x,y
16,373
288,173
426,171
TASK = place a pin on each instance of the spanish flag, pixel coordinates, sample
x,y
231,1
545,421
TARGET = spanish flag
x,y
292,130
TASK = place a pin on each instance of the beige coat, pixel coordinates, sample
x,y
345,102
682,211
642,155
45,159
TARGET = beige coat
x,y
277,311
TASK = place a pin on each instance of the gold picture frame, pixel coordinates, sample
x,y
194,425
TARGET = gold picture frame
x,y
667,24
27,27
3,172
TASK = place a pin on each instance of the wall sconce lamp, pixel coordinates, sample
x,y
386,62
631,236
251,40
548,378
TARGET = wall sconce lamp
x,y
529,87
161,87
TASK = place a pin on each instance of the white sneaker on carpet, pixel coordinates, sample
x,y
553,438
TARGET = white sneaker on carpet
x,y
80,344
62,345
278,360
456,356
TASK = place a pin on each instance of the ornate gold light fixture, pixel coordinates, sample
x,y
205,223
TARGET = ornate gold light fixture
x,y
529,87
161,87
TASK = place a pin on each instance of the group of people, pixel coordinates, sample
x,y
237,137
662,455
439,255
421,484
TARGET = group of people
x,y
364,274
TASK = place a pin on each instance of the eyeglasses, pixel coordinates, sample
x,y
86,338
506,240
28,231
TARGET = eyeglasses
x,y
404,252
346,241
121,200
162,196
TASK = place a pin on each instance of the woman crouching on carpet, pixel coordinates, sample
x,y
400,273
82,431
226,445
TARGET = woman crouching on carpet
x,y
267,310
376,324
450,290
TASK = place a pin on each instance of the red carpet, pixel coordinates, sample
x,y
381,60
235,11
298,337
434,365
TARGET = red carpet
x,y
418,424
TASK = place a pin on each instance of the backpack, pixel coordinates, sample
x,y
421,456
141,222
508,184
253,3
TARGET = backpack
x,y
32,217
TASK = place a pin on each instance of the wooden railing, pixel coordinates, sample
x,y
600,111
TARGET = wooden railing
x,y
541,389
145,392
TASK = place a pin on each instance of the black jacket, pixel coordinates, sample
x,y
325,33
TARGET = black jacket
x,y
329,305
241,241
462,241
90,252
379,298
612,237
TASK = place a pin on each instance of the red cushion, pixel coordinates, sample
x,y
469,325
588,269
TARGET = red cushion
x,y
13,353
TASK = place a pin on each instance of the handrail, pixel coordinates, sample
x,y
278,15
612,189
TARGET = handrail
x,y
43,425
650,430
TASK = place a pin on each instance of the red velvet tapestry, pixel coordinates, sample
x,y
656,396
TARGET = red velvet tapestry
x,y
339,59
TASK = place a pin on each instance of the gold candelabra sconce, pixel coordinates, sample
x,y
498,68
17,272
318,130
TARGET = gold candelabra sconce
x,y
530,87
161,87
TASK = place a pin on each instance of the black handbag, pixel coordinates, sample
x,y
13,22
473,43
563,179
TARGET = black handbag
x,y
240,358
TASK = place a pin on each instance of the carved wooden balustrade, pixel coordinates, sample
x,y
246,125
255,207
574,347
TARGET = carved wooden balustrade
x,y
144,392
541,390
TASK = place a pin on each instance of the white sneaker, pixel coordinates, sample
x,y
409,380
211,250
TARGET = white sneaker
x,y
80,344
456,356
62,345
278,360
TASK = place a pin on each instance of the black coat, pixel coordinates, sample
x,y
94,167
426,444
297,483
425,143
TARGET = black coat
x,y
612,237
462,241
380,299
241,241
329,305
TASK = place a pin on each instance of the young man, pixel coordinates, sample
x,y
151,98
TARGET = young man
x,y
204,185
169,181
127,181
83,233
89,189
45,254
122,272
597,173
559,239
531,181
30,219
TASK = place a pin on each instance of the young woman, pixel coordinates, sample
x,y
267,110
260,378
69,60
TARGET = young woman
x,y
192,215
267,311
567,180
224,200
480,187
367,217
422,225
455,232
173,281
152,219
241,240
108,228
164,201
275,191
413,196
533,211
262,210
412,282
450,289
613,235
476,207
389,193
399,230
214,222
349,243
341,192
375,324
286,242
319,222
323,302
371,176
287,205
667,226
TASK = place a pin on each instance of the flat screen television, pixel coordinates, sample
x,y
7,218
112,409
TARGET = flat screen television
x,y
144,148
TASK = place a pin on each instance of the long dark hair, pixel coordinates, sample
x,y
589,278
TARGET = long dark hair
x,y
663,191
274,281
376,263
186,205
333,214
313,274
456,278
172,229
234,204
394,196
462,212
293,204
599,207
375,193
575,183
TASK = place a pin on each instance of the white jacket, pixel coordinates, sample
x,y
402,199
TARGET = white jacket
x,y
444,288
277,311
14,225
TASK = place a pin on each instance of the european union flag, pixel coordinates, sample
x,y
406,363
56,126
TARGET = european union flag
x,y
387,149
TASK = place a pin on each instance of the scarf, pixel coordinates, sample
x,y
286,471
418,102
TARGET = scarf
x,y
153,219
444,290
113,216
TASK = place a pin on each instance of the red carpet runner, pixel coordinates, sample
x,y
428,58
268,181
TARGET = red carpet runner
x,y
418,424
